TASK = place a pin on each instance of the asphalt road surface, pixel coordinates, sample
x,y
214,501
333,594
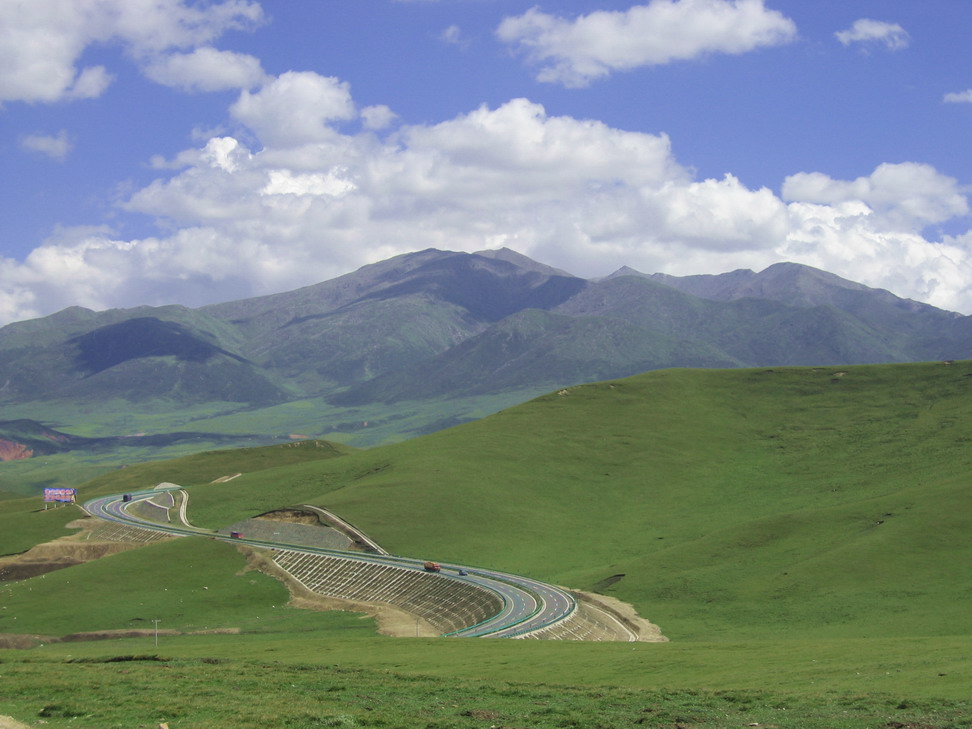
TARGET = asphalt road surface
x,y
528,605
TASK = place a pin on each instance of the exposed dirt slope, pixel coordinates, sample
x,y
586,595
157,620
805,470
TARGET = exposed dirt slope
x,y
85,546
13,451
8,722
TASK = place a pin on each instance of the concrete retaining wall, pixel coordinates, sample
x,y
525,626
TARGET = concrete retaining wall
x,y
447,604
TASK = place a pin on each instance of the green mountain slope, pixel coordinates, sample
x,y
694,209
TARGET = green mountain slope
x,y
428,339
535,347
805,502
382,329
909,329
145,353
388,316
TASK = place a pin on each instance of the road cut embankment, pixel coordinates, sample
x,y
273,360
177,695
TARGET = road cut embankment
x,y
449,601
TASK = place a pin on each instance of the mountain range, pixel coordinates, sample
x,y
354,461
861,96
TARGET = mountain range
x,y
440,325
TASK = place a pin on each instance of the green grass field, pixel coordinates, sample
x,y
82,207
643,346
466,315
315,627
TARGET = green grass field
x,y
205,689
800,534
25,522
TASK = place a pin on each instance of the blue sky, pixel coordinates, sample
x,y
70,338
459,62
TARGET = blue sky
x,y
168,151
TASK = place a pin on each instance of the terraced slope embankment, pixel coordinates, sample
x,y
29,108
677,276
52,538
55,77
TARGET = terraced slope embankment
x,y
473,603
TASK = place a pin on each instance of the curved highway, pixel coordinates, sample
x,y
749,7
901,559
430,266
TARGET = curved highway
x,y
528,605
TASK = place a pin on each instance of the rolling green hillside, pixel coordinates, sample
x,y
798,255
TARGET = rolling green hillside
x,y
25,522
739,503
801,534
418,342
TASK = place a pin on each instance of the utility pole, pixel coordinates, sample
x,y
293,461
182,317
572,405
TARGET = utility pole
x,y
156,621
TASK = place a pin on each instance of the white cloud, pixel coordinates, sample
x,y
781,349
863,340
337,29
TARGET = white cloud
x,y
90,83
843,239
906,196
42,41
378,117
207,69
959,97
453,36
723,215
224,153
865,30
295,108
285,182
575,52
315,202
55,146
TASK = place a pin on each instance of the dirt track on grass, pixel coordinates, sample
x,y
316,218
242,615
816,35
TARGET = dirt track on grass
x,y
18,641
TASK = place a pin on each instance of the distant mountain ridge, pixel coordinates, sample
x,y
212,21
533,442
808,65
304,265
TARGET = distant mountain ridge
x,y
789,283
440,324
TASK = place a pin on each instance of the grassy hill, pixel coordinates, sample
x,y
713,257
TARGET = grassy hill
x,y
756,503
799,533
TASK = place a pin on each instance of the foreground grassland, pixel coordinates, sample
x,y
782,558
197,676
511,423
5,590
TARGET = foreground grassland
x,y
25,522
215,692
800,534
294,668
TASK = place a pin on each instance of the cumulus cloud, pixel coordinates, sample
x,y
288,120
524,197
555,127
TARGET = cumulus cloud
x,y
378,116
295,108
959,97
723,215
891,35
906,196
42,41
285,182
207,69
574,52
321,194
55,146
842,238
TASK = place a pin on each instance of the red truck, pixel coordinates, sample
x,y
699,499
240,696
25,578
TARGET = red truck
x,y
432,567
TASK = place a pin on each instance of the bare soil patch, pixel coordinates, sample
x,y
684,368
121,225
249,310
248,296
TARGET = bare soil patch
x,y
16,641
139,633
292,516
8,722
13,451
60,553
646,631
224,479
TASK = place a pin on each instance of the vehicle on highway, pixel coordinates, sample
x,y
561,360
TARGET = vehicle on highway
x,y
527,605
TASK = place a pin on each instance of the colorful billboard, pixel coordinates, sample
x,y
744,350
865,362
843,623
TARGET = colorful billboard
x,y
60,495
